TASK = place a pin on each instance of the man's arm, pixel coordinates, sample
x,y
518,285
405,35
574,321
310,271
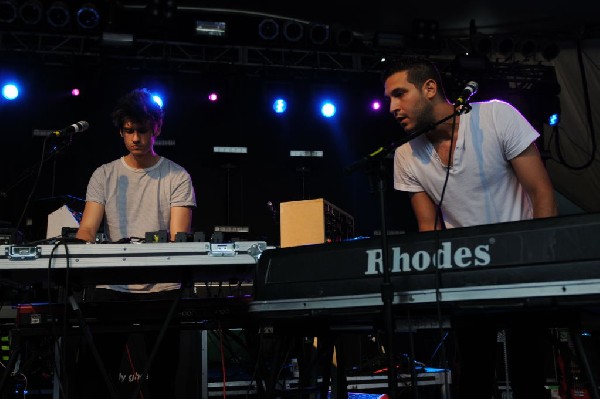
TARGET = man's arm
x,y
90,221
181,220
534,178
425,210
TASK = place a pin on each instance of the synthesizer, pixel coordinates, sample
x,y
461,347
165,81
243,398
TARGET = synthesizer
x,y
549,262
130,263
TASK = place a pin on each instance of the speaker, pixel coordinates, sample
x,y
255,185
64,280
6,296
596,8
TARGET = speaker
x,y
313,222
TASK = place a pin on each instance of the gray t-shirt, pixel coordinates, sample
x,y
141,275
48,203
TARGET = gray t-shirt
x,y
137,201
482,186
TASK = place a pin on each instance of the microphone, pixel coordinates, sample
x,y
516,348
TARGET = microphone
x,y
469,90
72,129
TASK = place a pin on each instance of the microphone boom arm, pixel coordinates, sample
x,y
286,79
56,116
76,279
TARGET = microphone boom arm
x,y
382,152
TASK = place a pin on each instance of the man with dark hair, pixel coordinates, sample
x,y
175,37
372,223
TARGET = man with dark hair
x,y
478,167
137,193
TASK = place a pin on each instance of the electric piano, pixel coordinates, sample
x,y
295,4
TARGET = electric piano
x,y
92,264
541,263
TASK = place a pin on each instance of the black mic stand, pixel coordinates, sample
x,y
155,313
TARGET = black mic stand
x,y
373,163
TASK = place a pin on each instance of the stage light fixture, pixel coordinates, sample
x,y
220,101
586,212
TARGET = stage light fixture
x,y
328,109
293,31
10,91
549,50
75,92
279,106
31,12
158,100
211,28
213,97
88,16
117,39
319,34
8,11
376,105
506,46
343,37
528,48
58,14
268,29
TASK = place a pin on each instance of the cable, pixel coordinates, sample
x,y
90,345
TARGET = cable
x,y
588,113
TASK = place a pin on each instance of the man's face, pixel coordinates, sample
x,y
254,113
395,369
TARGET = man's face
x,y
139,137
408,104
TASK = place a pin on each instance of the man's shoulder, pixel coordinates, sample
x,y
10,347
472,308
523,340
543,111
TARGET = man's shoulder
x,y
109,165
174,166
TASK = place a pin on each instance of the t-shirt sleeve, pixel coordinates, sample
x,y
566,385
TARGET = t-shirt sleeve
x,y
96,189
404,178
516,132
183,191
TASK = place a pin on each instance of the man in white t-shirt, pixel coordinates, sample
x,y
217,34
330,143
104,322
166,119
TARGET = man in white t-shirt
x,y
481,167
138,193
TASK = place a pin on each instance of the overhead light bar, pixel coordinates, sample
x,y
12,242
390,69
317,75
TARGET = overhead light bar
x,y
211,28
117,39
231,150
308,154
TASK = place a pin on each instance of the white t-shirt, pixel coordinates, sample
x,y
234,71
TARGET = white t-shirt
x,y
137,201
482,187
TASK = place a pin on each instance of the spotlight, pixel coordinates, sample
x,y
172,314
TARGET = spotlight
x,y
75,92
293,31
10,91
550,51
31,12
376,105
506,46
527,48
483,45
279,106
58,14
157,99
319,34
343,37
8,11
88,16
553,119
268,29
213,97
328,109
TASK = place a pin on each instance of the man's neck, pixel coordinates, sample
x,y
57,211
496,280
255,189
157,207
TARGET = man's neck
x,y
142,161
443,131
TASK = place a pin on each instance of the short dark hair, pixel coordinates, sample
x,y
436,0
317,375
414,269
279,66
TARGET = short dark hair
x,y
139,106
420,69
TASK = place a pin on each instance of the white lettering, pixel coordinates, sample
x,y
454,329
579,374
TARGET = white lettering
x,y
401,261
443,258
374,262
462,257
482,255
420,261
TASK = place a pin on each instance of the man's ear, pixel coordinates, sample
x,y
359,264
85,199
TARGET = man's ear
x,y
430,88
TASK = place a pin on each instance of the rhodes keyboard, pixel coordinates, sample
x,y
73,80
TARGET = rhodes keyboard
x,y
90,264
549,262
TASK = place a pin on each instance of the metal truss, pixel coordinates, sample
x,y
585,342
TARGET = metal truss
x,y
195,57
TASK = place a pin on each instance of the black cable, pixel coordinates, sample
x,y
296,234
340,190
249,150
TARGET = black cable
x,y
438,273
588,113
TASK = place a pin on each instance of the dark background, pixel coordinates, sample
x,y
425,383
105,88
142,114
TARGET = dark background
x,y
231,189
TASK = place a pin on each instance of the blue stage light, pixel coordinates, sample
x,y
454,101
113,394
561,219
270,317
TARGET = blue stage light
x,y
10,91
328,109
279,105
157,99
553,120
